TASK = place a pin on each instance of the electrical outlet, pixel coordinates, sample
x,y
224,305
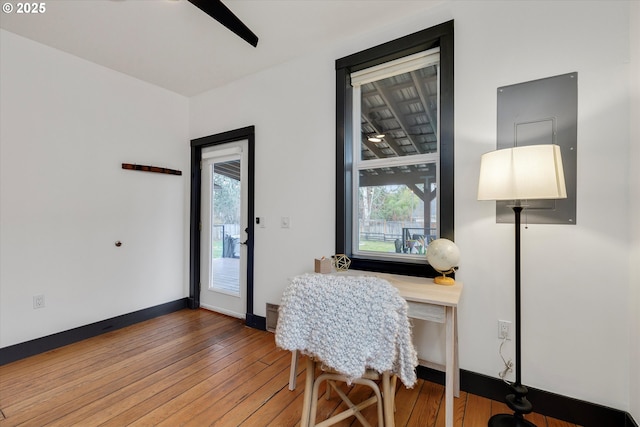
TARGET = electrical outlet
x,y
38,301
504,329
285,222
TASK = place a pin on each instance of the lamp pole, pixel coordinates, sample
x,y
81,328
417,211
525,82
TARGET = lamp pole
x,y
517,210
516,400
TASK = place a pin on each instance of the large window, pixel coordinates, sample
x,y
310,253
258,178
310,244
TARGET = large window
x,y
395,151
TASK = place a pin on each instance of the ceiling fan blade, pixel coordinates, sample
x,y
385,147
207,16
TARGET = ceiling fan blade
x,y
222,14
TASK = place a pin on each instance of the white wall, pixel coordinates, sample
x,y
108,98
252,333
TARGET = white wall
x,y
67,125
575,310
576,314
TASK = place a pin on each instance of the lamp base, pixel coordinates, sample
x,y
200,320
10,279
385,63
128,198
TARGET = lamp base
x,y
517,401
443,280
509,420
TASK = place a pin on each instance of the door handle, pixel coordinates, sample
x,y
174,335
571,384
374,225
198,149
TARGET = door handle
x,y
246,230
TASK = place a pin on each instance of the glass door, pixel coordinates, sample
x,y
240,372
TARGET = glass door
x,y
224,229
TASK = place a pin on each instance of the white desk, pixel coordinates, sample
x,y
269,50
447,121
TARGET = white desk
x,y
431,302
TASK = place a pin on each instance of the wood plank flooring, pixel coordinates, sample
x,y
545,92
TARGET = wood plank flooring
x,y
226,274
193,368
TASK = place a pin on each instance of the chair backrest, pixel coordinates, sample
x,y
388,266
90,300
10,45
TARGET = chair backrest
x,y
351,323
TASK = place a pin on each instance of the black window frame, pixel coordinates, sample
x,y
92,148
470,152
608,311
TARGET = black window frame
x,y
438,36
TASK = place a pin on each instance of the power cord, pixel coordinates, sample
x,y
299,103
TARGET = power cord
x,y
508,365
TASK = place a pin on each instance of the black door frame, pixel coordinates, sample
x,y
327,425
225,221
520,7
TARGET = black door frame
x,y
197,145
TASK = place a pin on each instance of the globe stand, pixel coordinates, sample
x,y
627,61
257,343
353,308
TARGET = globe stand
x,y
444,280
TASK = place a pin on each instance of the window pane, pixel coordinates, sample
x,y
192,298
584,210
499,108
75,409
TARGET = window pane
x,y
399,115
397,209
425,125
225,230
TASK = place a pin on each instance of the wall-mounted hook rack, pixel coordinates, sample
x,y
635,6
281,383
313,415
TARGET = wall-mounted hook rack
x,y
156,169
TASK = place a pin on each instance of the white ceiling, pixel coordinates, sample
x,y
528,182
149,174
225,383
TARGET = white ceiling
x,y
174,45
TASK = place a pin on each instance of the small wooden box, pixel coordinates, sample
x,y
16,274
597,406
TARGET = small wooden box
x,y
322,265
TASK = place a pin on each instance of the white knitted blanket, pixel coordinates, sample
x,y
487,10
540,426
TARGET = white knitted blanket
x,y
350,323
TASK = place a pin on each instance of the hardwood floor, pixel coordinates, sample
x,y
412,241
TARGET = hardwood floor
x,y
192,368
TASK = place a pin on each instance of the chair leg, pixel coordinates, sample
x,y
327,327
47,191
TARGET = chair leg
x,y
308,385
394,382
293,370
389,400
314,399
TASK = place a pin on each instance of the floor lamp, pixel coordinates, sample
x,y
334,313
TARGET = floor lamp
x,y
521,173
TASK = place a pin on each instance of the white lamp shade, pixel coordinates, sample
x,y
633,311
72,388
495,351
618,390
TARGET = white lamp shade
x,y
522,173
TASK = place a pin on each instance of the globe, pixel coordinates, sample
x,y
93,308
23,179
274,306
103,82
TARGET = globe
x,y
444,256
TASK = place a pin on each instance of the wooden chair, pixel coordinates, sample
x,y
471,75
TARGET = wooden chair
x,y
383,387
357,326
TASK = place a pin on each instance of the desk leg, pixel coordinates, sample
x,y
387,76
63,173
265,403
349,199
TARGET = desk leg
x,y
293,370
308,391
456,361
449,366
